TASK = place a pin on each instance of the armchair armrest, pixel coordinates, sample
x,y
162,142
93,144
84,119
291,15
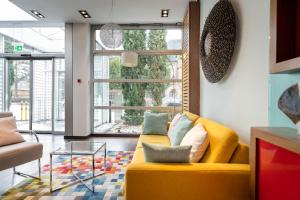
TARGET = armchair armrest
x,y
34,134
187,181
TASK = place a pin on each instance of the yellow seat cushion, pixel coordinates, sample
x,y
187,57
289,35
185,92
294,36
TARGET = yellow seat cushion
x,y
153,139
241,154
191,116
222,142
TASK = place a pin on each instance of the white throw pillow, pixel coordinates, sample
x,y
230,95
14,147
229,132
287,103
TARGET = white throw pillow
x,y
8,132
173,123
198,138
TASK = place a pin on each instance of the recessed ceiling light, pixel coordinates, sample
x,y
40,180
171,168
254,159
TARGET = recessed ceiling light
x,y
165,13
37,13
84,13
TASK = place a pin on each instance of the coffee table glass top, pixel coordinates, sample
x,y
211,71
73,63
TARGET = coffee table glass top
x,y
80,147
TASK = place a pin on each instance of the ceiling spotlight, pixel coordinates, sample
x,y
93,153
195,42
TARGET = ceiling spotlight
x,y
84,13
165,13
37,13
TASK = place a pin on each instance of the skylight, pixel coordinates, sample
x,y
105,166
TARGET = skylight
x,y
11,12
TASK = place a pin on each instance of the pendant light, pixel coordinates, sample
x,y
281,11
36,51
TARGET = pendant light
x,y
111,34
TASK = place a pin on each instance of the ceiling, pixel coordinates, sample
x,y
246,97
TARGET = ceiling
x,y
124,11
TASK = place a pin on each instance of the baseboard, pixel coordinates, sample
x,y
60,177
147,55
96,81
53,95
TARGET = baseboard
x,y
101,135
114,135
76,137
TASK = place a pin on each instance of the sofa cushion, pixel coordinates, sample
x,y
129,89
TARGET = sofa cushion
x,y
197,137
8,132
241,154
153,139
180,129
20,153
222,142
166,154
155,123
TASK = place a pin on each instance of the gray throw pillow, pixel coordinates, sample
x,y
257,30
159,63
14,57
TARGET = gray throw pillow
x,y
164,154
155,123
180,129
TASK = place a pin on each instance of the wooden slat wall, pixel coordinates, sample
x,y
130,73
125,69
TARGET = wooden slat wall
x,y
185,63
191,60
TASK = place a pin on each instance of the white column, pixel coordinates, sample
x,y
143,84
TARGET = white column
x,y
77,80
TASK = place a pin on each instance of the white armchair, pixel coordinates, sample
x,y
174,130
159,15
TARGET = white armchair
x,y
17,154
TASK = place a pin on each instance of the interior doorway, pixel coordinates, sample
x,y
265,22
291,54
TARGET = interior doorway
x,y
34,91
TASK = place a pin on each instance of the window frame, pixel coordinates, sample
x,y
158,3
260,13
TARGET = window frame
x,y
93,80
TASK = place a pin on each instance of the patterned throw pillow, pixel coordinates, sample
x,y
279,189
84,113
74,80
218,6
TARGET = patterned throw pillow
x,y
155,123
198,138
164,154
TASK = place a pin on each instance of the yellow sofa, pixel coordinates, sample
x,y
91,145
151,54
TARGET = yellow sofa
x,y
222,174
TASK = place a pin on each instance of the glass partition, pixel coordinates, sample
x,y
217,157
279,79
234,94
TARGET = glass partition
x,y
31,87
59,95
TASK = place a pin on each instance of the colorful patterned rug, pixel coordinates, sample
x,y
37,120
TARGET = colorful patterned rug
x,y
108,186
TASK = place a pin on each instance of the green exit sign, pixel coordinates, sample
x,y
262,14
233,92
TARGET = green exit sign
x,y
18,47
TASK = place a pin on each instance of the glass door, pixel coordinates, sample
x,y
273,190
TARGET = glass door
x,y
18,94
34,92
42,95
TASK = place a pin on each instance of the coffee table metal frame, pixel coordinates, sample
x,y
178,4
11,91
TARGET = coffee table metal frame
x,y
72,153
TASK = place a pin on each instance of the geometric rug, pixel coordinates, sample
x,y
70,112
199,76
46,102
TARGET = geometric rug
x,y
107,187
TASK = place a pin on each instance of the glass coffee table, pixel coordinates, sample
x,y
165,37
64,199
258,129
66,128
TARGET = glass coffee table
x,y
79,148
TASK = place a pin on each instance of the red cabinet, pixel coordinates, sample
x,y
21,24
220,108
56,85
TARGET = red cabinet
x,y
275,164
278,172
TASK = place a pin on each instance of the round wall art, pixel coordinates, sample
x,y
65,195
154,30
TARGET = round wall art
x,y
217,41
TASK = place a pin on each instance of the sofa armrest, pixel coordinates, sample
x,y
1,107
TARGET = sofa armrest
x,y
193,181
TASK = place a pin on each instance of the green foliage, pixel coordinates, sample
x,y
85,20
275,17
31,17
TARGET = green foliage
x,y
157,65
134,93
8,48
114,72
11,81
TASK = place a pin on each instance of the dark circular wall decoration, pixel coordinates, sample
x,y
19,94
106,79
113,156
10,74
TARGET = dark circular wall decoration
x,y
217,41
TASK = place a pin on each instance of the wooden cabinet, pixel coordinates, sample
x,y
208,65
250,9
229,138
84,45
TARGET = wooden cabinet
x,y
275,164
285,36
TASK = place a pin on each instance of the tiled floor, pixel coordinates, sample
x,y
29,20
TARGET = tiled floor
x,y
52,142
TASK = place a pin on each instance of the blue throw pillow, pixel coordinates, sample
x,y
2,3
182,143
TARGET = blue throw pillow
x,y
180,129
155,123
165,154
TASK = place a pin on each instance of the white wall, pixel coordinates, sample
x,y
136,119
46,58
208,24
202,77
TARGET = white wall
x,y
240,100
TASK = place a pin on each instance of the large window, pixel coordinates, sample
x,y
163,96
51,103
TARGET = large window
x,y
121,95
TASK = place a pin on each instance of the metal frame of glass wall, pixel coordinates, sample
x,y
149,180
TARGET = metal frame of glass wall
x,y
95,52
31,58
